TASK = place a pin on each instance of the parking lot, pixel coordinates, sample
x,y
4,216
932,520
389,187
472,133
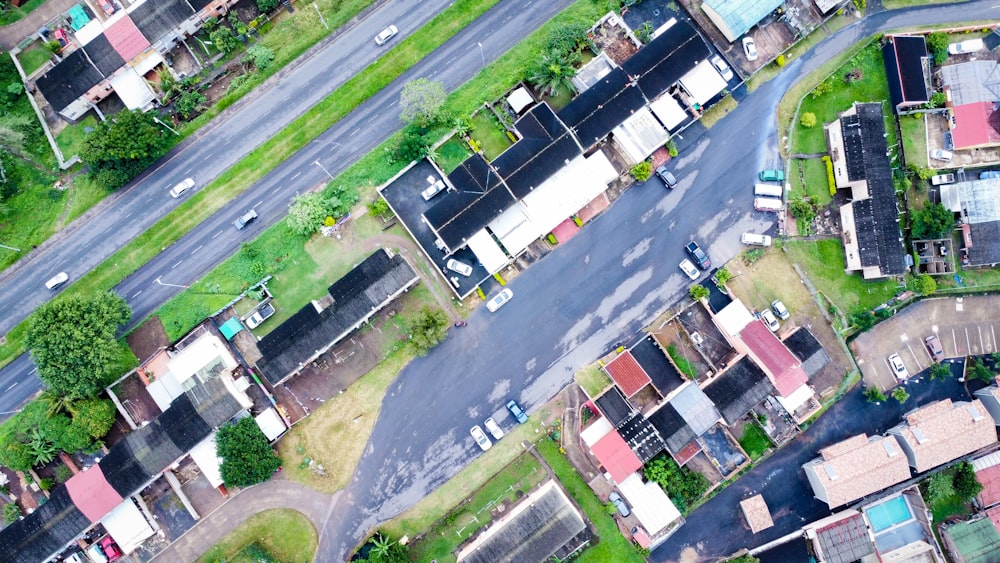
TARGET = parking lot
x,y
965,326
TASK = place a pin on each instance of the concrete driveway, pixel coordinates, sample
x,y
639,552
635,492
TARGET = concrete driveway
x,y
965,326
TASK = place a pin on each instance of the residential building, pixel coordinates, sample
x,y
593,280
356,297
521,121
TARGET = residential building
x,y
943,431
738,389
978,203
610,449
873,242
626,372
755,512
808,350
736,17
856,467
987,470
841,538
651,506
901,524
990,397
908,70
972,91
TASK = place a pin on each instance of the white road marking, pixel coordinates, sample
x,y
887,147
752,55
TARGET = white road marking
x,y
982,346
257,204
196,250
216,234
13,385
188,170
915,359
994,335
275,190
954,340
208,156
127,216
297,174
968,342
136,294
355,132
177,264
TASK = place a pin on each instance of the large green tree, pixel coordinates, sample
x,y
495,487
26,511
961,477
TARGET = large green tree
x,y
965,482
50,425
72,342
247,458
933,221
421,101
428,328
120,148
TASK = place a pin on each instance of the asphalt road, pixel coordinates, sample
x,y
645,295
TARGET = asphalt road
x,y
602,286
88,241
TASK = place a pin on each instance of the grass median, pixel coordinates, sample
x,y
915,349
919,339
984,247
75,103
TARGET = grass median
x,y
282,534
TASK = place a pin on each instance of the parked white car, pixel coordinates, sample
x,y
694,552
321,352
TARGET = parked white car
x,y
942,155
480,438
753,239
897,367
967,46
499,300
750,48
459,267
688,268
768,317
493,428
721,66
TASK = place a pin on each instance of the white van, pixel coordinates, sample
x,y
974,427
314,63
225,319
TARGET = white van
x,y
753,239
768,190
768,204
56,280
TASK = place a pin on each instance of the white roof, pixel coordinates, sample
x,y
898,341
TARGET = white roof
x,y
201,353
87,33
489,253
568,191
597,430
649,503
703,82
270,424
147,62
668,110
797,398
208,460
127,526
520,99
132,89
640,135
986,461
733,317
514,229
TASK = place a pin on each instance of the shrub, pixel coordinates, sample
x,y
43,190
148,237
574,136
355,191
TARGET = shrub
x,y
831,180
698,292
900,395
671,148
261,56
874,395
266,6
642,171
923,285
63,473
808,120
780,61
11,512
937,43
247,458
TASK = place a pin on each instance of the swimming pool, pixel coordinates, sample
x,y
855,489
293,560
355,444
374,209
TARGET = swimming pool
x,y
889,513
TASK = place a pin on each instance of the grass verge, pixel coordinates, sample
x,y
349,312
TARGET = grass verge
x,y
70,139
914,139
592,379
754,441
823,262
284,534
612,545
833,25
451,153
34,57
808,179
713,114
12,14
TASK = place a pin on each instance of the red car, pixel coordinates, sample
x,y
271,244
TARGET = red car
x,y
60,35
107,6
110,548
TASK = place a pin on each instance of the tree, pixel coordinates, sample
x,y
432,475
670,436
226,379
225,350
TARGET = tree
x,y
937,43
552,72
939,487
698,292
190,102
11,513
900,394
260,55
802,210
224,39
380,208
745,558
265,6
247,458
681,485
864,320
940,371
307,212
965,482
413,144
924,285
978,370
122,147
427,328
421,101
937,100
808,120
933,221
642,171
874,395
72,342
722,275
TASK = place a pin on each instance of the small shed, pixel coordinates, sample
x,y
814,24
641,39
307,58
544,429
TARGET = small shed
x,y
520,99
231,328
757,514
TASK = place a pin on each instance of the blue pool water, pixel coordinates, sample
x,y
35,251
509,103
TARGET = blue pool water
x,y
889,513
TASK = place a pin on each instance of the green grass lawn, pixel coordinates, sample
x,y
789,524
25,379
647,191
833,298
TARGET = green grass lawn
x,y
823,263
611,545
896,4
592,379
807,177
914,139
754,441
71,137
870,87
34,57
713,114
461,523
286,535
451,154
12,14
561,99
488,133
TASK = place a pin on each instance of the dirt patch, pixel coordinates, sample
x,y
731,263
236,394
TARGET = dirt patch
x,y
673,336
148,338
131,392
614,40
220,85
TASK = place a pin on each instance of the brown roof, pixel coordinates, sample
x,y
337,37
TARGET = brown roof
x,y
756,512
856,467
943,431
627,373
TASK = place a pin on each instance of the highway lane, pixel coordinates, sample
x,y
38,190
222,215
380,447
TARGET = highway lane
x,y
354,136
615,276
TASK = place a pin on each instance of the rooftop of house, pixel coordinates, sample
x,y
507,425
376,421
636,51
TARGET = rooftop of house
x,y
846,540
64,83
125,37
856,467
971,82
740,15
158,18
739,389
627,373
695,408
672,428
906,63
756,513
781,366
615,406
616,456
943,431
979,202
808,350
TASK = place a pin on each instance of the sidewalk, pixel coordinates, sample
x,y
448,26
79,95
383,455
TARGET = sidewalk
x,y
11,35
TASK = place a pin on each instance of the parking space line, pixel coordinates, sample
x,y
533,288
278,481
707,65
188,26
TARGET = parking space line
x,y
994,334
915,359
967,341
981,346
954,340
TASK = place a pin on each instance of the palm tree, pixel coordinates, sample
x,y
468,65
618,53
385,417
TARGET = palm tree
x,y
380,547
552,73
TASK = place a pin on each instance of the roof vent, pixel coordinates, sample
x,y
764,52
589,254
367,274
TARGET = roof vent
x,y
976,416
919,436
830,472
889,449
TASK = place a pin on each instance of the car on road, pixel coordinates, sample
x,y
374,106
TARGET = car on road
x,y
181,187
771,175
965,47
459,267
245,219
780,310
688,268
259,316
721,66
897,367
110,549
499,300
942,155
56,280
385,35
698,255
753,239
933,344
940,179
750,48
517,412
663,174
493,428
616,499
768,317
480,438
107,6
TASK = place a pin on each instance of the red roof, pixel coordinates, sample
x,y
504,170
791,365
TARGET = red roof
x,y
627,373
617,458
92,494
642,538
126,38
994,515
990,479
782,368
972,125
687,452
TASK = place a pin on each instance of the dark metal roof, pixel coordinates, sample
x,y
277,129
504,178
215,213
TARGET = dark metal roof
x,y
808,350
43,533
477,213
614,406
985,249
672,429
602,107
650,356
905,58
359,294
157,19
739,389
717,301
68,80
992,40
103,55
199,5
642,437
542,165
666,59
